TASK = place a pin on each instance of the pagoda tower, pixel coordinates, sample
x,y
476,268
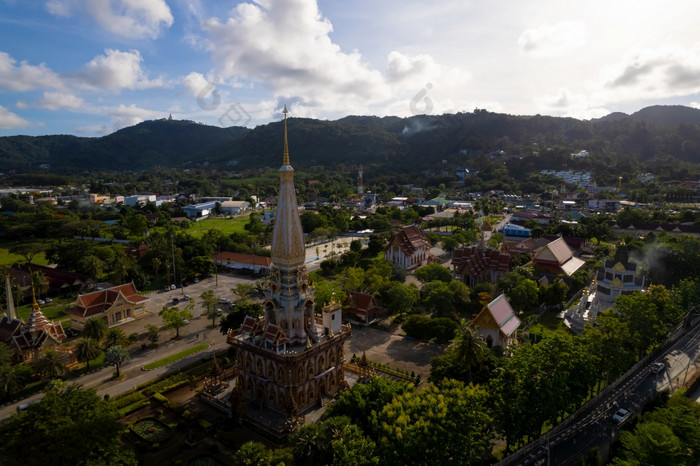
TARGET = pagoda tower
x,y
290,360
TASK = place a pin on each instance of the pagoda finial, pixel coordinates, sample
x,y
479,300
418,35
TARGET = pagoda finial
x,y
286,148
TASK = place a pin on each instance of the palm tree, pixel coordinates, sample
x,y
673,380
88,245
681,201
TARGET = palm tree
x,y
208,301
242,290
86,350
469,346
114,337
10,381
95,328
39,282
51,365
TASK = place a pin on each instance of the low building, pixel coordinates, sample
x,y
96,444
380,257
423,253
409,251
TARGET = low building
x,y
618,277
497,323
408,248
61,282
116,305
201,210
362,307
511,229
234,207
239,261
557,258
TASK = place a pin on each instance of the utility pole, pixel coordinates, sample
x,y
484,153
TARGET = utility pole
x,y
172,248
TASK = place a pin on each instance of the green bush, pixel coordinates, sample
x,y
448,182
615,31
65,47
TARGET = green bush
x,y
132,407
127,399
170,383
160,398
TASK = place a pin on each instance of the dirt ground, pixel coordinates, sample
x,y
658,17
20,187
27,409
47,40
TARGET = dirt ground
x,y
388,347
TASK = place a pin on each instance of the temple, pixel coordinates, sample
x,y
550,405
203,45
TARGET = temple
x,y
289,360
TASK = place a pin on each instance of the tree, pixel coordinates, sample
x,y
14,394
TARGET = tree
x,y
469,347
95,329
433,272
28,250
242,292
208,301
86,350
39,282
174,317
651,443
401,298
50,365
116,356
5,354
334,442
152,334
114,336
447,425
82,423
13,379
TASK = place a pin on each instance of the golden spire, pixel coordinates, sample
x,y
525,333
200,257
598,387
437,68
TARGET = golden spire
x,y
286,148
35,305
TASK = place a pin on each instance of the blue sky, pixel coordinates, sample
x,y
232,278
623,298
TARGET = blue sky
x,y
90,67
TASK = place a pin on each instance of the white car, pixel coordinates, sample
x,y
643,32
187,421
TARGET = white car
x,y
657,367
621,415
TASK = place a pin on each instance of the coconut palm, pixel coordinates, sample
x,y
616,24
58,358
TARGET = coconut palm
x,y
113,337
469,346
39,282
95,329
87,349
51,365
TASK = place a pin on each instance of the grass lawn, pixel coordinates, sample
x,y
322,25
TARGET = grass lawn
x,y
176,357
225,225
52,311
548,325
7,258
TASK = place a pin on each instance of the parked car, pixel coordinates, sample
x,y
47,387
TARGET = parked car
x,y
176,301
196,280
48,300
224,301
185,321
219,312
186,296
40,302
621,415
173,287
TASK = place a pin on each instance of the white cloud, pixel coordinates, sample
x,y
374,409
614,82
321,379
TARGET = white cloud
x,y
286,45
128,18
25,77
116,70
652,73
196,83
694,105
552,40
58,100
9,120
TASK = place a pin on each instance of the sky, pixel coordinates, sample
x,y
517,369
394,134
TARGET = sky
x,y
91,67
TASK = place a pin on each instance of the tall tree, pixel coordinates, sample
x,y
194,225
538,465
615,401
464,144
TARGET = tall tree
x,y
82,423
113,337
87,349
208,300
116,356
174,317
95,328
50,365
39,282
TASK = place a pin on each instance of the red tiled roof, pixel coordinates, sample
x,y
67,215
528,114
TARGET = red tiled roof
x,y
503,314
361,300
473,260
238,257
97,302
410,239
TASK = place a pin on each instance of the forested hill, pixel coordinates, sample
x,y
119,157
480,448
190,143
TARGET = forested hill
x,y
388,143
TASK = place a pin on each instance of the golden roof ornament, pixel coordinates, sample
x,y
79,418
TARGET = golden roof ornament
x,y
285,161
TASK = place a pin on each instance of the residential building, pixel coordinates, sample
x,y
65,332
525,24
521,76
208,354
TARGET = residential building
x,y
116,305
234,207
408,248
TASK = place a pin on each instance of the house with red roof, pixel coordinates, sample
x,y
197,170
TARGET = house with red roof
x,y
239,261
116,305
408,248
557,258
497,323
361,306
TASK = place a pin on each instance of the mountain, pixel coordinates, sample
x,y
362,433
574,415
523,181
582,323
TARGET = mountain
x,y
147,144
389,144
